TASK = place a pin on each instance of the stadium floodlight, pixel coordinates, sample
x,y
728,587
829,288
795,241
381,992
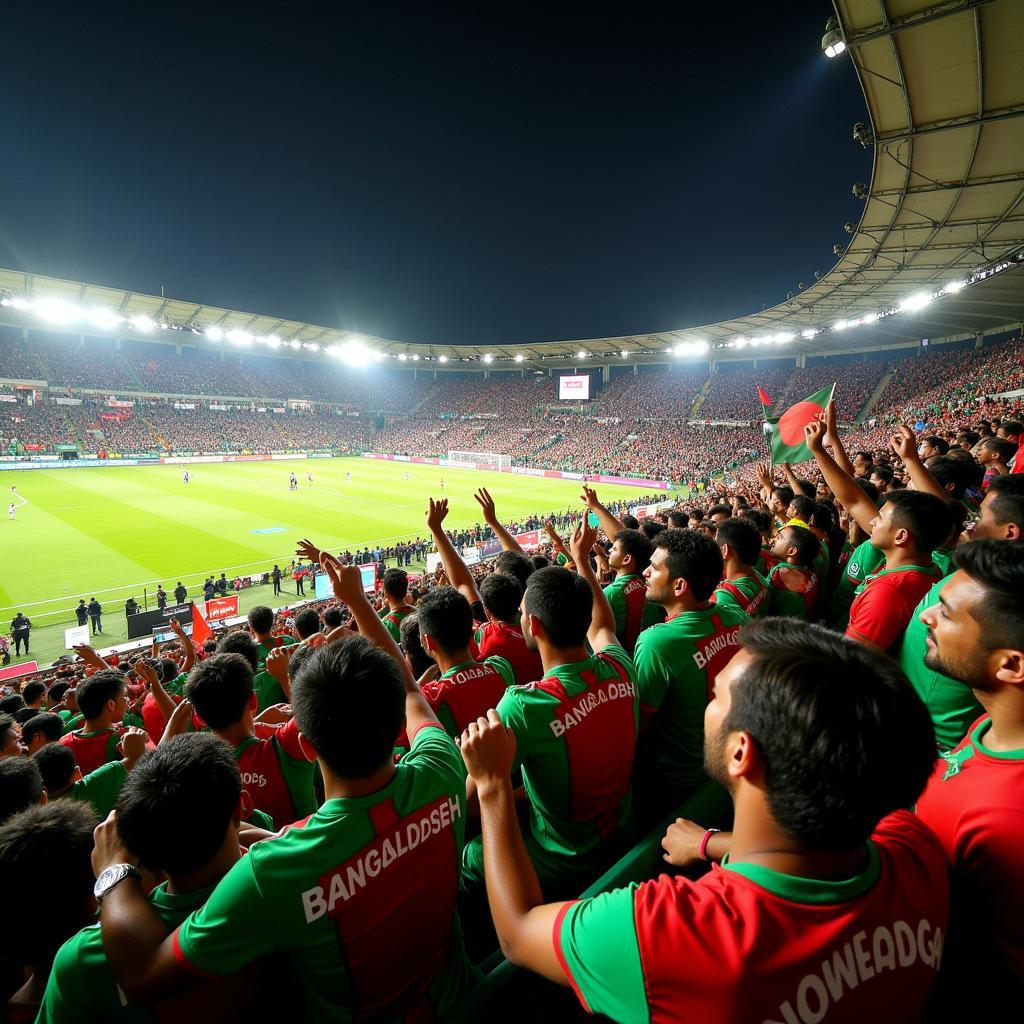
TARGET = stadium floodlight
x,y
860,190
869,318
832,42
915,302
953,287
214,333
783,336
295,344
840,325
520,357
239,337
624,353
402,357
415,357
809,333
142,323
313,347
442,359
273,340
581,354
56,311
488,358
19,303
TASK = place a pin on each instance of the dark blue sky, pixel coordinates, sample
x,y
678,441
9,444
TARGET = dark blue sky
x,y
440,172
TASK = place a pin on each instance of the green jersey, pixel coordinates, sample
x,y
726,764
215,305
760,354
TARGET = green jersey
x,y
943,558
865,560
951,704
268,690
794,592
359,899
72,723
100,788
263,649
82,988
747,593
676,665
393,621
633,612
575,739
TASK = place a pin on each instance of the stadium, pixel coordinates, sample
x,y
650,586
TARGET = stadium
x,y
222,523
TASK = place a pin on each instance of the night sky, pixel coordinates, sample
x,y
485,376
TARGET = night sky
x,y
436,172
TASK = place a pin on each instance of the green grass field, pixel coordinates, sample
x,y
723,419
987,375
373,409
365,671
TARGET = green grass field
x,y
115,531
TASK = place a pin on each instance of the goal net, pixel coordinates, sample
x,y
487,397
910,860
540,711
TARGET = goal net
x,y
480,460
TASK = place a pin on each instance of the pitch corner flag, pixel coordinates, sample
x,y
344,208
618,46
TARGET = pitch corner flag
x,y
785,434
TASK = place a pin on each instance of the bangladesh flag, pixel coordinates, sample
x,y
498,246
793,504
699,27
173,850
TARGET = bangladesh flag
x,y
785,433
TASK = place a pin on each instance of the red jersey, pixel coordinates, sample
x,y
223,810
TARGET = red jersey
x,y
465,693
277,774
745,944
883,603
92,749
975,804
505,641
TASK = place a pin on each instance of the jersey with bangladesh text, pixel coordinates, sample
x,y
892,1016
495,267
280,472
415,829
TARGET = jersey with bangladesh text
x,y
884,603
359,899
575,739
465,693
951,703
503,640
746,944
676,665
277,774
748,593
794,592
633,612
93,748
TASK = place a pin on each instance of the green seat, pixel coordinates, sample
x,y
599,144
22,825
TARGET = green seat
x,y
507,992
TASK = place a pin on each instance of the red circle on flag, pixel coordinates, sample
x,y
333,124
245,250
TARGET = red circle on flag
x,y
794,419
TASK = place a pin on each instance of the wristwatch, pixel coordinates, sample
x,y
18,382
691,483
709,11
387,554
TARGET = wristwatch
x,y
111,876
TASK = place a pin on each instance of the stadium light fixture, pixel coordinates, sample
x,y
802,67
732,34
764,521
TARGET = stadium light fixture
x,y
840,325
272,340
869,318
520,357
915,302
442,359
214,333
832,42
295,344
402,357
415,357
142,323
624,353
313,347
55,311
809,333
19,303
239,337
953,287
783,336
581,354
488,358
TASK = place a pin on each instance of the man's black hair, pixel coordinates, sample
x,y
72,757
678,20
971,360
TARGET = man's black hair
x,y
951,470
220,688
927,518
50,724
260,619
867,487
21,786
1008,503
175,807
828,716
719,510
694,557
396,584
412,645
33,690
94,692
501,596
307,622
12,704
637,544
1014,427
563,603
761,519
742,536
940,444
806,544
652,529
630,522
824,516
803,506
677,520
540,562
349,701
240,642
1005,450
300,653
445,616
784,494
884,473
807,488
332,617
694,513
999,567
52,842
56,765
516,565
22,715
972,437
7,722
56,691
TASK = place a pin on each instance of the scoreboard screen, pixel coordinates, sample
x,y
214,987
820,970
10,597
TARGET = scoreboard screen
x,y
574,387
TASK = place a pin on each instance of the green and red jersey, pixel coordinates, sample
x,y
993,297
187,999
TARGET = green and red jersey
x,y
744,943
266,646
951,703
277,773
765,563
943,558
502,640
93,748
268,691
864,560
974,803
794,592
633,612
393,621
359,899
747,593
884,603
99,789
466,692
575,738
676,664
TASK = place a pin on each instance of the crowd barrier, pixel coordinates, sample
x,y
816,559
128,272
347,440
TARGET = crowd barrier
x,y
92,462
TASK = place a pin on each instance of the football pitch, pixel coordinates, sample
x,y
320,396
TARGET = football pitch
x,y
115,532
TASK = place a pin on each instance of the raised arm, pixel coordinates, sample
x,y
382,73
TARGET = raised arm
x,y
455,568
792,479
904,444
486,503
602,625
605,519
842,485
90,657
186,643
832,438
277,665
556,542
151,677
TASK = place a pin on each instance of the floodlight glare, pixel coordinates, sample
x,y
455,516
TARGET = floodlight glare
x,y
295,344
19,303
519,357
832,42
581,354
55,311
442,359
915,302
239,337
809,333
402,357
214,333
953,287
488,358
869,318
142,323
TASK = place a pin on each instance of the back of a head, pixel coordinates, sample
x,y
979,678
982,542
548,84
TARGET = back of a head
x,y
167,669
396,584
501,596
630,522
844,737
651,528
954,474
564,604
784,494
240,642
56,765
761,519
307,623
349,702
332,617
824,516
1008,503
927,518
220,688
176,805
720,510
694,557
637,544
868,488
33,690
94,692
677,520
21,786
12,704
803,506
940,444
446,617
56,692
743,539
516,565
52,842
1012,428
807,489
999,567
412,645
48,723
260,619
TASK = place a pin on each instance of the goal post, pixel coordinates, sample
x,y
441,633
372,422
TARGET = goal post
x,y
481,460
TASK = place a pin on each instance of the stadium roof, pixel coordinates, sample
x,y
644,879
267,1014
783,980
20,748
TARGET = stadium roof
x,y
945,206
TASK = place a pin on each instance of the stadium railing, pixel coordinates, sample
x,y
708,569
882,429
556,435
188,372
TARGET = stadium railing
x,y
507,992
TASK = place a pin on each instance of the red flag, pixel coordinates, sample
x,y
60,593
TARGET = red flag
x,y
201,631
763,395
